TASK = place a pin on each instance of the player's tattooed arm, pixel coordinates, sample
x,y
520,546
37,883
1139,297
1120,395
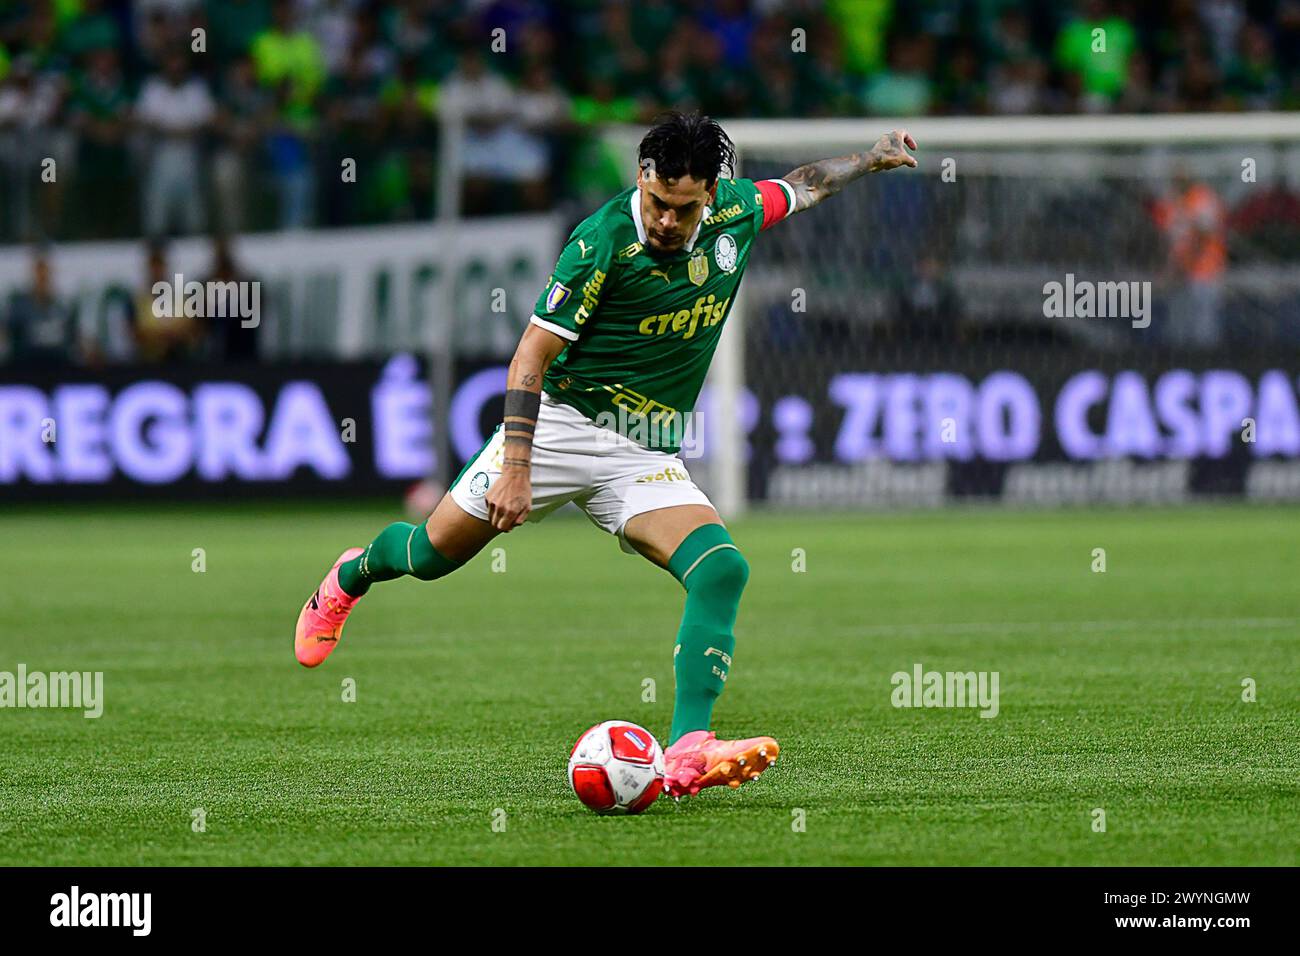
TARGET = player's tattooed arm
x,y
522,408
510,497
814,182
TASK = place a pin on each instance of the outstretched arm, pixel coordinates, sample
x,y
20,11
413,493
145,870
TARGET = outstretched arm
x,y
820,180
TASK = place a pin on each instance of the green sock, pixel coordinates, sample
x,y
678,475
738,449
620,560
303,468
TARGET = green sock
x,y
713,571
400,549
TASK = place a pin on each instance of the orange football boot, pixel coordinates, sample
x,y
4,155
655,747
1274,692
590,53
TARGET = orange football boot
x,y
320,624
699,759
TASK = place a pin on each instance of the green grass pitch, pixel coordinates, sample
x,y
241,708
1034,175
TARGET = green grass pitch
x,y
1119,690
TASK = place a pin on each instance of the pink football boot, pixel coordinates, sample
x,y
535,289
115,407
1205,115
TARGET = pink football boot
x,y
320,625
699,759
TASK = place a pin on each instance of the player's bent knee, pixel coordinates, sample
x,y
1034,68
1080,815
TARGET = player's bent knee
x,y
724,571
455,533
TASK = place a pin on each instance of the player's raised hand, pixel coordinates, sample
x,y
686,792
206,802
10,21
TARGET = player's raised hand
x,y
891,151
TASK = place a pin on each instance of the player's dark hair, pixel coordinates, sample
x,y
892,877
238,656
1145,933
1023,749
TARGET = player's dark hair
x,y
680,144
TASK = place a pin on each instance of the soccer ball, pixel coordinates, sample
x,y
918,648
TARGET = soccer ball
x,y
617,767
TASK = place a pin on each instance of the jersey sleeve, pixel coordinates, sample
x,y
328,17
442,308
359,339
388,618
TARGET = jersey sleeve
x,y
777,199
574,290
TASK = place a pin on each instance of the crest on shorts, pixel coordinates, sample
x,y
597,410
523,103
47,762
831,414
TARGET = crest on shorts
x,y
725,253
478,485
558,295
697,268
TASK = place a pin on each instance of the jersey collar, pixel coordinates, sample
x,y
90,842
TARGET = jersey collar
x,y
635,203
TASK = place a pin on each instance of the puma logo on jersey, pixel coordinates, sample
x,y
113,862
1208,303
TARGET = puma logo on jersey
x,y
584,247
662,273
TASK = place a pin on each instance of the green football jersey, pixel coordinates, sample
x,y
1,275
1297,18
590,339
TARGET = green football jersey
x,y
642,328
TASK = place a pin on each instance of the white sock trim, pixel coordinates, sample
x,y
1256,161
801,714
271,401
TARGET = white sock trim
x,y
696,562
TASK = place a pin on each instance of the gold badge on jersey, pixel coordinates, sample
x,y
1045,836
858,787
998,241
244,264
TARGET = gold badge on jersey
x,y
698,267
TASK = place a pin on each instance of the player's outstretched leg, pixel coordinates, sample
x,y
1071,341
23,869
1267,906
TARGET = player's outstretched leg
x,y
712,570
401,549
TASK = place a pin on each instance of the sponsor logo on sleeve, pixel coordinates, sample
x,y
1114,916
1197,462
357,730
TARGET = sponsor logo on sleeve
x,y
590,296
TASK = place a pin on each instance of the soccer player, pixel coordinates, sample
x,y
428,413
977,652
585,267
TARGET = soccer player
x,y
597,398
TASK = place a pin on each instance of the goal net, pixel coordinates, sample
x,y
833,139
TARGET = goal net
x,y
1048,310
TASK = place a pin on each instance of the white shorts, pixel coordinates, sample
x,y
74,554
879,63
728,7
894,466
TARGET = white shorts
x,y
609,477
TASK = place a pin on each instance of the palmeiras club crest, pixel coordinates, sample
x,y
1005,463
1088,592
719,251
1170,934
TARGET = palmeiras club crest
x,y
725,253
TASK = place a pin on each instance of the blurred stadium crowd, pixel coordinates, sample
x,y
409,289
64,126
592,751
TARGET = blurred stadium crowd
x,y
156,119
153,138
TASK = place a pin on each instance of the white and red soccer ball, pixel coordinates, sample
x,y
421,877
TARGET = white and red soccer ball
x,y
617,767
